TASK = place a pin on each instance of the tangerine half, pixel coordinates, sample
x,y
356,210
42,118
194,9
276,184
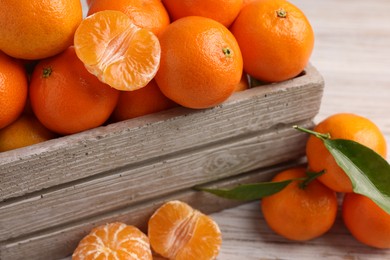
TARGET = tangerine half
x,y
118,52
177,231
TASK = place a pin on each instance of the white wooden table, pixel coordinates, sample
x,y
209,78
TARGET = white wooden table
x,y
352,52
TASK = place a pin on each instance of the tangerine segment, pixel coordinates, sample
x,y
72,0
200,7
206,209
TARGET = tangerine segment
x,y
114,241
118,52
177,231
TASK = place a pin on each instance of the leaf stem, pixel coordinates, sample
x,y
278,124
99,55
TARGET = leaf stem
x,y
310,177
319,135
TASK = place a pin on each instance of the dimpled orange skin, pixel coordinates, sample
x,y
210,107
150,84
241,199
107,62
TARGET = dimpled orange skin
x,y
223,11
342,126
13,89
149,14
68,99
300,214
273,48
366,221
201,63
143,101
25,131
38,29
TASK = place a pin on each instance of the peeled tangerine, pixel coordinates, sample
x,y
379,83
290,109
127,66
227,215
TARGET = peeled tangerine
x,y
114,241
177,231
119,53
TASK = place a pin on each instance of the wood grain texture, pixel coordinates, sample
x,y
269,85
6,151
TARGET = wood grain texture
x,y
149,139
59,242
129,186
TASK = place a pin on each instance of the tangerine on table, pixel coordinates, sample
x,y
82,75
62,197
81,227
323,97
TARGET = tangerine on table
x,y
177,231
38,29
113,241
223,11
275,38
342,126
149,14
366,221
201,62
298,213
118,52
13,89
66,98
146,100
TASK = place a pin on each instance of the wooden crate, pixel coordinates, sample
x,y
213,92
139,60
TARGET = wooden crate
x,y
53,193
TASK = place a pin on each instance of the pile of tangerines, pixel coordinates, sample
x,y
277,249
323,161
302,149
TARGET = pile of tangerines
x,y
61,74
64,73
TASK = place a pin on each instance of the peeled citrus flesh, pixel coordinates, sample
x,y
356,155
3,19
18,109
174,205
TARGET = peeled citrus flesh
x,y
119,53
177,231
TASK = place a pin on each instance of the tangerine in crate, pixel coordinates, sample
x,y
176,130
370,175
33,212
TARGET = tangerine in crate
x,y
38,29
275,38
13,89
117,51
203,68
66,98
149,14
222,11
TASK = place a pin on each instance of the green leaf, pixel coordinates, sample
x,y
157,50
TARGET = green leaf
x,y
368,171
253,191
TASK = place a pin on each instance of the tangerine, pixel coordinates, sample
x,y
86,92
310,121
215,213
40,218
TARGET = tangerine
x,y
366,221
201,69
341,126
113,241
223,11
149,14
146,100
275,38
177,231
38,29
66,98
13,89
299,212
25,131
118,52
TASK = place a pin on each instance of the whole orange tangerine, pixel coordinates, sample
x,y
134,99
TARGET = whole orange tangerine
x,y
38,29
342,126
201,63
366,221
275,38
66,98
300,213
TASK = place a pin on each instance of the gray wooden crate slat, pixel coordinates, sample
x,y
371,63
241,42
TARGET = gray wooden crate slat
x,y
67,159
59,242
127,186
